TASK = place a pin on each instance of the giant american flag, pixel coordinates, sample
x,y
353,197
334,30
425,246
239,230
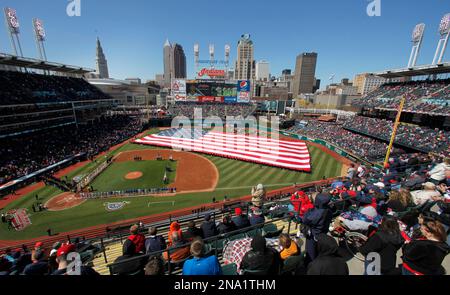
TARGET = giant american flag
x,y
293,155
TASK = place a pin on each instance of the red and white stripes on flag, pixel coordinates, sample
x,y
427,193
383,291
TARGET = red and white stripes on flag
x,y
293,155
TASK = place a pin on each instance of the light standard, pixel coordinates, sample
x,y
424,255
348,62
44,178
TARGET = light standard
x,y
329,92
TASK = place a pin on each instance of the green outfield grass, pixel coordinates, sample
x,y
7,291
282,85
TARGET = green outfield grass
x,y
235,180
113,178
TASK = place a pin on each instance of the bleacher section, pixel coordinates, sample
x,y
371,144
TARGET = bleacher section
x,y
17,88
424,97
212,109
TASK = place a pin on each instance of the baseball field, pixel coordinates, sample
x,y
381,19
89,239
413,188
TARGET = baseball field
x,y
197,179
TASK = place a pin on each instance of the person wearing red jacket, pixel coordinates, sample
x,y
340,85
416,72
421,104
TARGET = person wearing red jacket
x,y
137,238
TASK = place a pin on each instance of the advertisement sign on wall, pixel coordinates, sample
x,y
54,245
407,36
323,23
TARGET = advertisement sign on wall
x,y
243,91
179,89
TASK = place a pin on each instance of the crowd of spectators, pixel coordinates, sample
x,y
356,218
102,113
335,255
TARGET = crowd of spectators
x,y
222,110
20,156
404,207
423,138
427,96
42,260
362,146
29,88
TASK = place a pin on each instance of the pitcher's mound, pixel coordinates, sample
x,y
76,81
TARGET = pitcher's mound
x,y
64,201
134,175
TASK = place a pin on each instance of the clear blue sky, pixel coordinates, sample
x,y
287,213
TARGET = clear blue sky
x,y
133,32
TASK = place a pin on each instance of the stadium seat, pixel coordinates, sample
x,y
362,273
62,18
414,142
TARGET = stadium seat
x,y
229,269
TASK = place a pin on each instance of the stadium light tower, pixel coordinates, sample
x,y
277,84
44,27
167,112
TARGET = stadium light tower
x,y
196,56
39,34
211,54
417,38
444,31
13,27
227,58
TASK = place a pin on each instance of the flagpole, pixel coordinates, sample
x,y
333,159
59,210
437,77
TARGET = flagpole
x,y
394,130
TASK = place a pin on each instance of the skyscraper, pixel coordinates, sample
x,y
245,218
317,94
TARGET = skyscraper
x,y
245,63
305,71
101,62
174,63
262,70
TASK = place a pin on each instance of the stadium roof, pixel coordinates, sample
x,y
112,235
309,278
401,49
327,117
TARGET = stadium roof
x,y
31,63
443,68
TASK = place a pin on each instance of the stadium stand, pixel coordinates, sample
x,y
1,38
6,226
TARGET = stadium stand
x,y
412,191
424,97
212,109
22,155
422,138
17,88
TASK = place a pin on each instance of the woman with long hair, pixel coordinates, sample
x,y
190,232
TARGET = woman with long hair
x,y
424,255
386,242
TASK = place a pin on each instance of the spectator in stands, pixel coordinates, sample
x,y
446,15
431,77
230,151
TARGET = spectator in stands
x,y
61,258
257,217
209,228
227,225
328,262
39,265
201,265
261,259
137,238
174,227
399,200
192,231
240,220
428,193
363,219
177,251
351,171
155,242
386,242
290,247
131,264
438,174
424,255
154,266
316,221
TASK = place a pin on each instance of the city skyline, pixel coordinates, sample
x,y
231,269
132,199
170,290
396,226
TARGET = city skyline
x,y
132,40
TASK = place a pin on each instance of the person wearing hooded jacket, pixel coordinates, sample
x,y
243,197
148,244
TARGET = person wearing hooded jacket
x,y
386,241
260,258
317,221
328,262
209,228
131,266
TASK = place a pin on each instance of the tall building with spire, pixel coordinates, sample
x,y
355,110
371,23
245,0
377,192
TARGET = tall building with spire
x,y
245,62
101,62
174,62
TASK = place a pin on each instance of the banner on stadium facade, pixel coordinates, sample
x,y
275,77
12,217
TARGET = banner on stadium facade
x,y
243,91
12,20
39,29
178,89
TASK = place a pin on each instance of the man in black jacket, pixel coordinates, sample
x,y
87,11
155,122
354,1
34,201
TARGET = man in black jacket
x,y
240,220
155,242
328,262
133,266
192,232
208,227
260,259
